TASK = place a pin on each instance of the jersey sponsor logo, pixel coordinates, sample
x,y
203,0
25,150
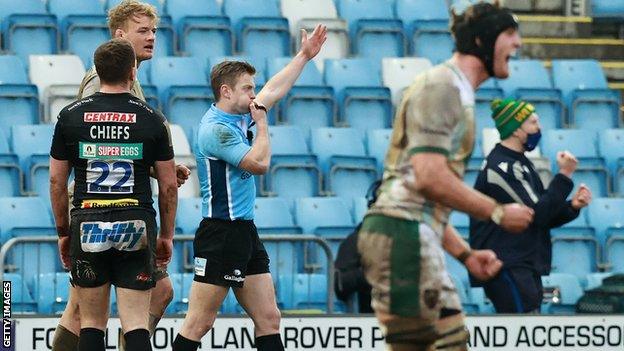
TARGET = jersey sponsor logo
x,y
122,236
200,266
108,151
236,277
110,132
101,117
109,203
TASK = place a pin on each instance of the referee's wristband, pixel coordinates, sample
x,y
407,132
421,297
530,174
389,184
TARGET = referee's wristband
x,y
464,256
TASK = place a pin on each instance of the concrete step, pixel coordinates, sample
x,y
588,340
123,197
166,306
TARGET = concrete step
x,y
555,26
563,48
536,6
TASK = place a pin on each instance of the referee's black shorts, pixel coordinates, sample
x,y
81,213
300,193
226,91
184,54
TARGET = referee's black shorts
x,y
228,251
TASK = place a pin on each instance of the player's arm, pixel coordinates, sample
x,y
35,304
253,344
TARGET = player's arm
x,y
483,264
59,173
281,83
90,85
258,159
167,196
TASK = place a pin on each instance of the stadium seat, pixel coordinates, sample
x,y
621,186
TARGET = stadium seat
x,y
202,29
83,26
591,169
189,215
21,299
575,250
309,104
529,80
461,222
306,14
456,268
184,155
426,25
398,73
31,144
377,143
19,100
607,9
487,92
52,292
294,171
360,206
594,280
561,292
183,88
364,102
374,31
605,215
58,79
307,292
10,171
260,29
591,103
182,286
611,147
28,29
347,170
468,306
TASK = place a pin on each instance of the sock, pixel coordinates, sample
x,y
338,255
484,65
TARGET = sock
x,y
91,339
271,342
153,322
138,340
121,341
183,344
64,340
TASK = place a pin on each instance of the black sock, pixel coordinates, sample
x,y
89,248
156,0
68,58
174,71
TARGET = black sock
x,y
91,339
183,344
64,340
271,342
138,340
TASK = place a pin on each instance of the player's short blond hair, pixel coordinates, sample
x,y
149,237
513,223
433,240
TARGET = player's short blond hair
x,y
119,15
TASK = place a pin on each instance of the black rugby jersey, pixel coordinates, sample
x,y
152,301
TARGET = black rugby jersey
x,y
111,141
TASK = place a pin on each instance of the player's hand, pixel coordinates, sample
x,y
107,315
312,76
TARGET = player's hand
x,y
164,249
311,46
582,197
516,217
182,174
258,112
567,163
63,247
483,264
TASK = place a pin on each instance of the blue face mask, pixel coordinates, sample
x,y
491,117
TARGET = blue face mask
x,y
532,140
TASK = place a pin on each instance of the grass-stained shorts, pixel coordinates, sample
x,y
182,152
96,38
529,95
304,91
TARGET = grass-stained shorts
x,y
403,260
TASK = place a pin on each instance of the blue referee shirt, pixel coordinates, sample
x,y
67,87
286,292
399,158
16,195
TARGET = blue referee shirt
x,y
228,192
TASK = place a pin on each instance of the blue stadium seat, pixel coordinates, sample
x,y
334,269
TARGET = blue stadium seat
x,y
182,287
594,280
468,306
17,220
52,292
611,147
360,206
10,171
83,26
21,299
183,88
19,100
426,25
591,169
202,29
456,268
347,170
260,29
487,92
31,144
27,28
377,143
309,104
611,9
294,171
305,291
461,222
561,292
374,31
592,105
529,80
364,102
189,215
605,215
165,43
575,251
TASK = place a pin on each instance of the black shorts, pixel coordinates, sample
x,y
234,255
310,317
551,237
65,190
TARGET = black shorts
x,y
115,246
228,251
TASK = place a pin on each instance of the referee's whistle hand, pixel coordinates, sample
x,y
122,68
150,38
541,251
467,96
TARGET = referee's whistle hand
x,y
516,217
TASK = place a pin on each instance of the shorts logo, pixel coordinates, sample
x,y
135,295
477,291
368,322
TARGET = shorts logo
x,y
101,117
84,270
200,266
108,151
431,297
245,175
143,277
123,236
236,277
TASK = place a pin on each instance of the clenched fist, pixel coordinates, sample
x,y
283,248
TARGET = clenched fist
x,y
516,217
567,163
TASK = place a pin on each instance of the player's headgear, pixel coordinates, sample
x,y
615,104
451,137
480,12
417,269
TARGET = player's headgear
x,y
482,21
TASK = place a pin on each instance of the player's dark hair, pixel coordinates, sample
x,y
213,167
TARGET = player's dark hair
x,y
228,72
114,61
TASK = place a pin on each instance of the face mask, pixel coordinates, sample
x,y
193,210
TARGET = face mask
x,y
532,140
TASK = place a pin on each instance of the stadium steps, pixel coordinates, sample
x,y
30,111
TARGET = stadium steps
x,y
540,26
536,6
567,48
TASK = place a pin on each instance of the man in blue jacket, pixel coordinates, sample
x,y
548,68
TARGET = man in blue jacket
x,y
509,176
